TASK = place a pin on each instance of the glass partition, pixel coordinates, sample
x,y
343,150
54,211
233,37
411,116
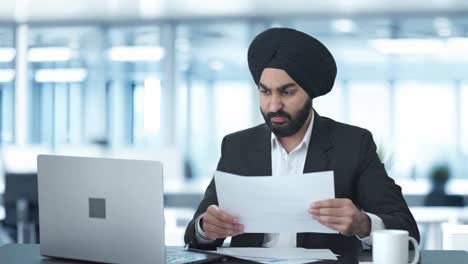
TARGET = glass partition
x,y
7,79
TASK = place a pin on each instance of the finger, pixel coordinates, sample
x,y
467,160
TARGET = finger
x,y
330,203
330,219
336,224
342,224
211,219
221,232
340,228
327,211
226,226
347,211
213,235
221,215
218,230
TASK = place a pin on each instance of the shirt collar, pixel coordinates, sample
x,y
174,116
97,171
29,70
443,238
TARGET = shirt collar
x,y
305,141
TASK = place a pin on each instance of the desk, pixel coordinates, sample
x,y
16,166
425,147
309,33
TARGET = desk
x,y
29,254
431,218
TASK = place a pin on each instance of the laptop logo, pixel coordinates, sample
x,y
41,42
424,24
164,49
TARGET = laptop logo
x,y
97,208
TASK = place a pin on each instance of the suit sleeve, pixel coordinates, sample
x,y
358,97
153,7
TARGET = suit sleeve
x,y
379,194
209,199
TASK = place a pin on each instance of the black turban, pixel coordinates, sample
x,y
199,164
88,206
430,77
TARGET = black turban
x,y
304,58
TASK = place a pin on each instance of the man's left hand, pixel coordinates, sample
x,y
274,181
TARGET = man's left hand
x,y
341,215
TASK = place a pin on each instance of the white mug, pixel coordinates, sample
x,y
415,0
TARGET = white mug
x,y
391,247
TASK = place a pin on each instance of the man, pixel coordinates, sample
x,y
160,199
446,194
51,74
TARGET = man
x,y
291,68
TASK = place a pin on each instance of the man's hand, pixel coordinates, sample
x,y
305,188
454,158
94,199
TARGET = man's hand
x,y
341,215
219,224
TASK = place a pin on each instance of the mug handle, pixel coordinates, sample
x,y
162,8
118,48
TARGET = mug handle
x,y
416,250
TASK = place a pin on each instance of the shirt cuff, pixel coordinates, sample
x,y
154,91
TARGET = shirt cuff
x,y
200,235
376,224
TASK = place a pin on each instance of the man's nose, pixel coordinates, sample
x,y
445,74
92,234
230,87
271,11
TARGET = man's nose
x,y
275,103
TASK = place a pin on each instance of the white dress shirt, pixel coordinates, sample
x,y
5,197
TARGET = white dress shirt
x,y
283,165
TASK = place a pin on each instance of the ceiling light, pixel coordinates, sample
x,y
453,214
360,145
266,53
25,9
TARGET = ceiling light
x,y
136,53
343,26
216,65
49,54
408,46
60,75
7,75
7,54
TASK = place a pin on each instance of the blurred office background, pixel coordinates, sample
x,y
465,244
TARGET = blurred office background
x,y
166,80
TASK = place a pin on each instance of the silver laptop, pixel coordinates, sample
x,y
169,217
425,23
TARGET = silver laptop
x,y
105,210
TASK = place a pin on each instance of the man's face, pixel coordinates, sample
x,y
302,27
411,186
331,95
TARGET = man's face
x,y
284,104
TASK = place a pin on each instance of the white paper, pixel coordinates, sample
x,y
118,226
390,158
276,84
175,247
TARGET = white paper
x,y
279,255
274,204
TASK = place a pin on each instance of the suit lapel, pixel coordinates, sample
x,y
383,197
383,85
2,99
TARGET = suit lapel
x,y
260,157
317,158
317,153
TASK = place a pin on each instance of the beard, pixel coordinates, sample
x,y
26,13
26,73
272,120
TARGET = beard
x,y
293,123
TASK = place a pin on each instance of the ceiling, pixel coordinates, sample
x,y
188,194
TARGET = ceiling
x,y
204,42
116,10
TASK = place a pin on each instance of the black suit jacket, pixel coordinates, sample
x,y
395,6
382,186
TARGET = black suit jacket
x,y
359,175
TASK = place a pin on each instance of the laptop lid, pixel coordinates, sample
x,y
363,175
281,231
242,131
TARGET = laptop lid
x,y
100,209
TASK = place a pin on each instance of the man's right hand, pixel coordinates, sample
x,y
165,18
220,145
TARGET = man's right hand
x,y
219,224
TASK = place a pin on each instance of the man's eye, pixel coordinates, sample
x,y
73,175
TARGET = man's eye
x,y
288,93
264,91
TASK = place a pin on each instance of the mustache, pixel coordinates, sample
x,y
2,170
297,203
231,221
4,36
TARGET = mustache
x,y
269,115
